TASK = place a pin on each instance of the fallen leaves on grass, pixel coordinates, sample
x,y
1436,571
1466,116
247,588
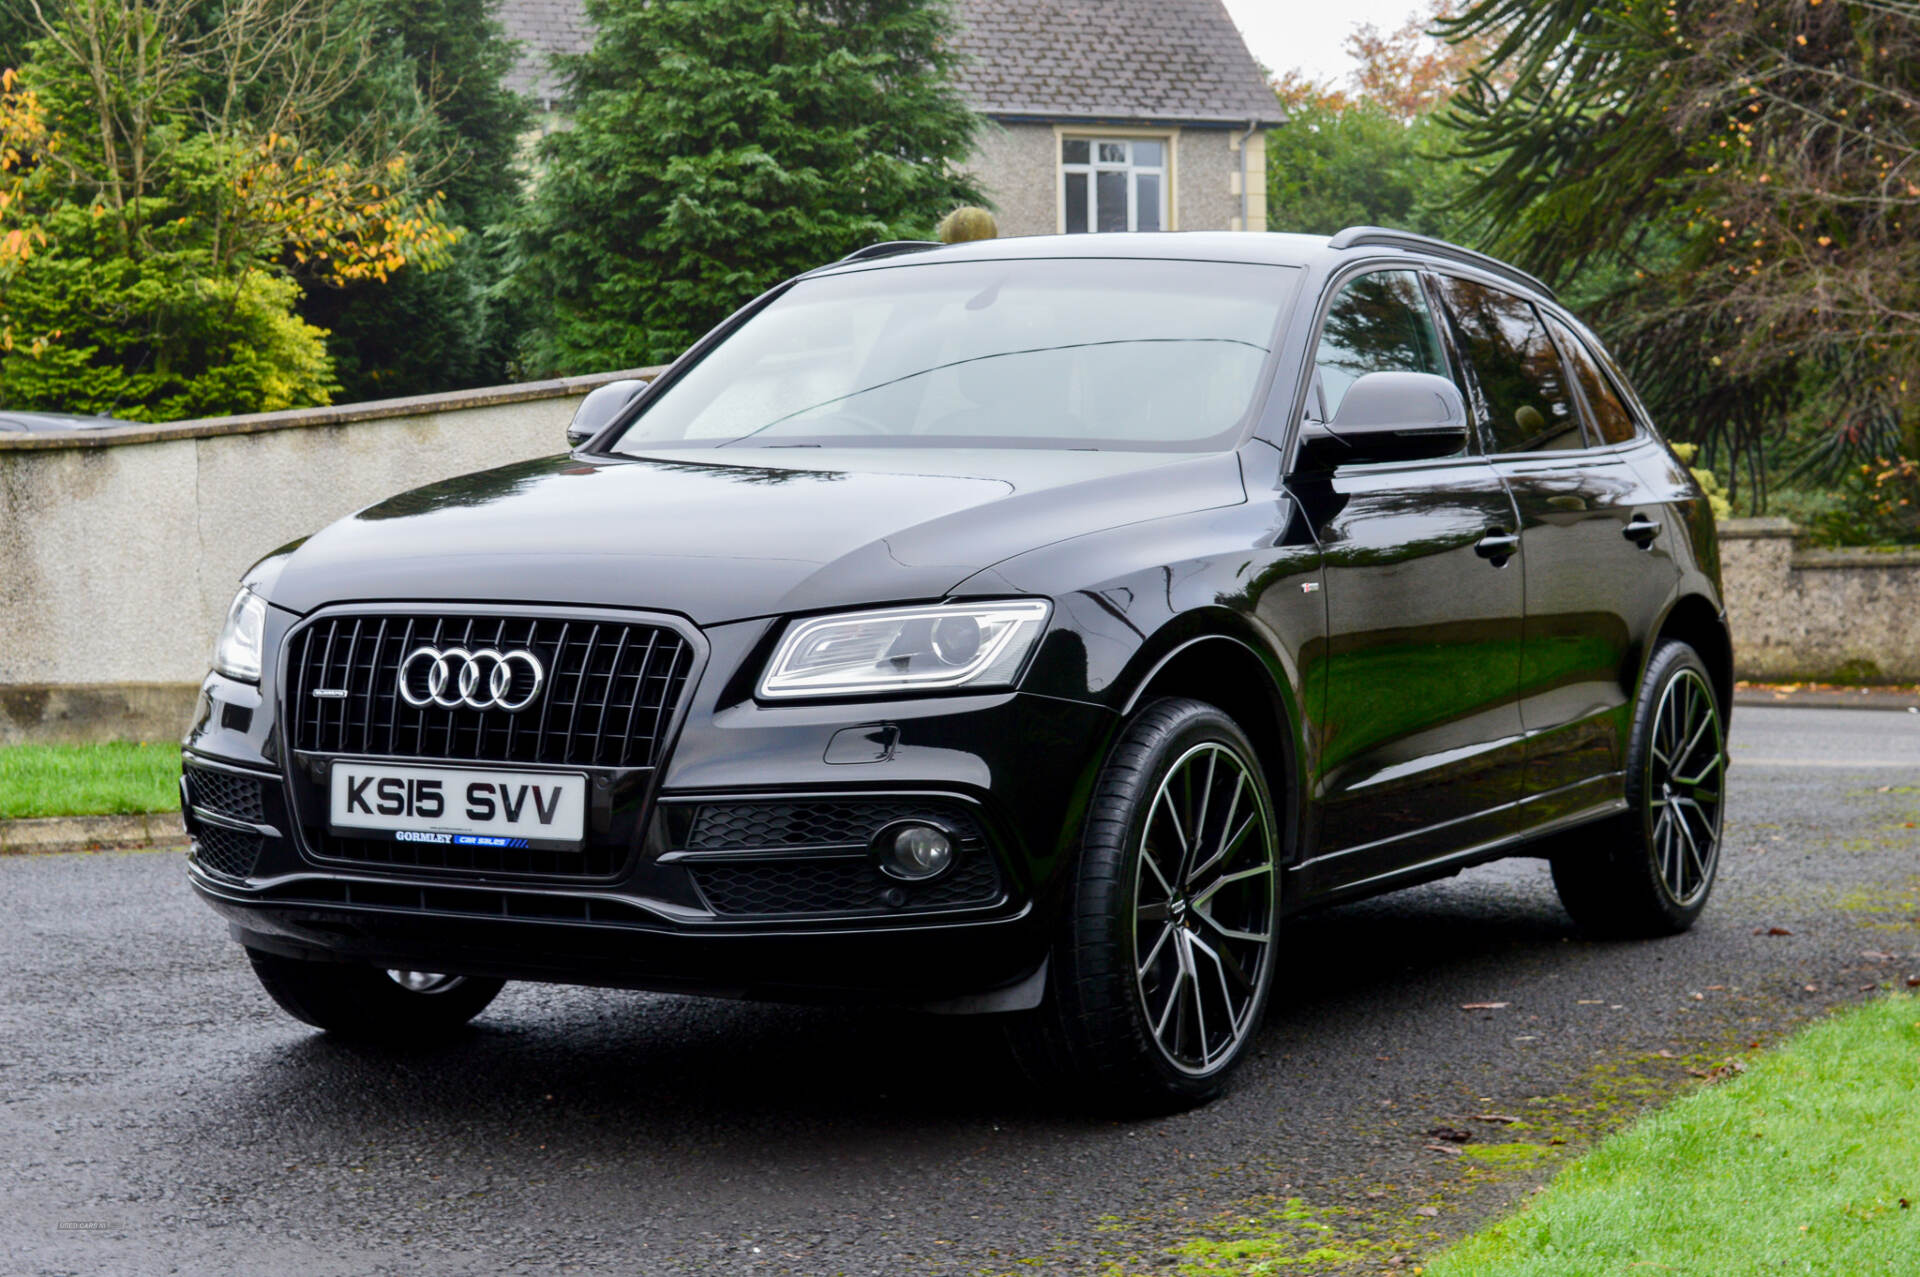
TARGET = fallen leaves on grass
x,y
1722,1071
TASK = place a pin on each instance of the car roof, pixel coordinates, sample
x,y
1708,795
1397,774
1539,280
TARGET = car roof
x,y
1266,248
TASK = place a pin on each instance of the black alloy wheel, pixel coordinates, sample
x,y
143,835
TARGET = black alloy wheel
x,y
1650,871
1161,976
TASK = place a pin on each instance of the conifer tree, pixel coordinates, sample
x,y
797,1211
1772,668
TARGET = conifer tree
x,y
718,146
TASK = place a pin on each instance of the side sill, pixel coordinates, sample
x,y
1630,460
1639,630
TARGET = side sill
x,y
1453,862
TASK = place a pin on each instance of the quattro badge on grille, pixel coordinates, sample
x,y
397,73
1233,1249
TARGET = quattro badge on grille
x,y
484,679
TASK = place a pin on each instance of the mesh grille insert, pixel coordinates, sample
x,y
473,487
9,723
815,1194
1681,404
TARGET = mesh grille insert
x,y
237,796
226,851
841,886
766,872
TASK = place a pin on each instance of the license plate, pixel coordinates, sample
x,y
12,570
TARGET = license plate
x,y
459,805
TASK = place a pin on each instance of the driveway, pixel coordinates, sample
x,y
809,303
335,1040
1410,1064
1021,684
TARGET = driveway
x,y
160,1115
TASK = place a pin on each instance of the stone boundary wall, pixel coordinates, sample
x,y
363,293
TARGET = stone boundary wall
x,y
120,548
1850,616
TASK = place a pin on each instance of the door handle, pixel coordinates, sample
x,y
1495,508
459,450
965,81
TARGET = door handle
x,y
1641,531
1498,544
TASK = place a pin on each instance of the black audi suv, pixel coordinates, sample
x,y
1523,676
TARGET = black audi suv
x,y
1026,627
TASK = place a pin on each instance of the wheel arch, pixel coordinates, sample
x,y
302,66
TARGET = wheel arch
x,y
1228,672
1694,620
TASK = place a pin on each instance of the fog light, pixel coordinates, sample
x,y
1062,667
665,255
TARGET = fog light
x,y
915,851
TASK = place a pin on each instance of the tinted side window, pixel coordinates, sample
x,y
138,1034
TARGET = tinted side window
x,y
1525,405
1610,416
1378,323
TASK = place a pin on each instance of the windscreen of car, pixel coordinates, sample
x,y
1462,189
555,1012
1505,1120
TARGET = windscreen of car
x,y
1056,353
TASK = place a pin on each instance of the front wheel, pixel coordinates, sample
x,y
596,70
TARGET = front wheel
x,y
1160,977
399,1008
1649,871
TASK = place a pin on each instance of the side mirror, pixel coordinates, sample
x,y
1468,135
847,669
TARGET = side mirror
x,y
1390,416
600,407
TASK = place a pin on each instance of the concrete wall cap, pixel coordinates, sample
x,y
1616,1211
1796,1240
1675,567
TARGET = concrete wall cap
x,y
302,418
1899,559
1755,529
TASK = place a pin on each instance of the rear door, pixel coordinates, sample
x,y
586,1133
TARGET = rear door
x,y
1595,574
1422,746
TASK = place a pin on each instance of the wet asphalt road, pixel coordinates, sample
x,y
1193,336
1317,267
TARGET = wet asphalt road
x,y
158,1115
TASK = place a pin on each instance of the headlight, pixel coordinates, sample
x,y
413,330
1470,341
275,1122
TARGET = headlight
x,y
237,654
906,649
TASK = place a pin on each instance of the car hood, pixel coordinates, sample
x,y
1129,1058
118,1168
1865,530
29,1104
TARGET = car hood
x,y
718,540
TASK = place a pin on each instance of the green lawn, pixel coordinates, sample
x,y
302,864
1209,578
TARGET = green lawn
x,y
88,780
1807,1163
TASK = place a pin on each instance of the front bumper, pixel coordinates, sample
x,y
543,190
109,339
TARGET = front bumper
x,y
756,910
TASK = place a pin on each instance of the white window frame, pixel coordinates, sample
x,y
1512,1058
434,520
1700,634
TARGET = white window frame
x,y
1121,137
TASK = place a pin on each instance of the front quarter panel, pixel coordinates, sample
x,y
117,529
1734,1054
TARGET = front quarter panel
x,y
1127,599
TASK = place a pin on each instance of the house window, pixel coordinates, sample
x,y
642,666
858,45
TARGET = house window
x,y
1114,184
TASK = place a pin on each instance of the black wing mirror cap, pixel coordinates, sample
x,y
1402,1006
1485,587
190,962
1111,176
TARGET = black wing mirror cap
x,y
600,407
1389,416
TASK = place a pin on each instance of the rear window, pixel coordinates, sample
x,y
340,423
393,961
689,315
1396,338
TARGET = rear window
x,y
1610,416
1525,405
1073,353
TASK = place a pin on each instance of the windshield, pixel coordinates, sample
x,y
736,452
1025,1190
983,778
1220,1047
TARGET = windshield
x,y
1073,353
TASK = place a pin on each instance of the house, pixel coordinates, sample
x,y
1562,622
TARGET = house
x,y
1104,115
1117,115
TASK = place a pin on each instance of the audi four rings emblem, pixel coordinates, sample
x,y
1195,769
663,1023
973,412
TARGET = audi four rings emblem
x,y
479,680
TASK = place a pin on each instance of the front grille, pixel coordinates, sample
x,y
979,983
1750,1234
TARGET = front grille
x,y
608,700
593,861
226,851
237,796
841,886
751,859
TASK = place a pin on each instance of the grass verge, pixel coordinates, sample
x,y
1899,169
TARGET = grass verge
x,y
1809,1163
88,780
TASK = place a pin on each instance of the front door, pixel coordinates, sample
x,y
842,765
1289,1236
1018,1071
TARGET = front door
x,y
1421,752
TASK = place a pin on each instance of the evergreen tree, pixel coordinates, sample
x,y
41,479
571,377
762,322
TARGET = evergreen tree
x,y
721,145
445,62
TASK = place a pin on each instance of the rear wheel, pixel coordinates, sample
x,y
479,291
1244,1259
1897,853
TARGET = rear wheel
x,y
1159,980
1650,870
372,1004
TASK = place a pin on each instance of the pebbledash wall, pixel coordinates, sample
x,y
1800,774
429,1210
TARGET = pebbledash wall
x,y
120,548
1819,615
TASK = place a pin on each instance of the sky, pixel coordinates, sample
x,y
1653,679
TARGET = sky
x,y
1287,33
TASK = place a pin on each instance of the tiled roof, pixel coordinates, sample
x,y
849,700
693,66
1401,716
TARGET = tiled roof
x,y
544,28
1149,60
1171,60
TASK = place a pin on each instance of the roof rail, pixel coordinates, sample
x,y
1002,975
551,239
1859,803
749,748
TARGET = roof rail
x,y
891,248
1364,236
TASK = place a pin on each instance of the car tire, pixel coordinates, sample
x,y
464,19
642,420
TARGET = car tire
x,y
1649,871
1174,898
370,1004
